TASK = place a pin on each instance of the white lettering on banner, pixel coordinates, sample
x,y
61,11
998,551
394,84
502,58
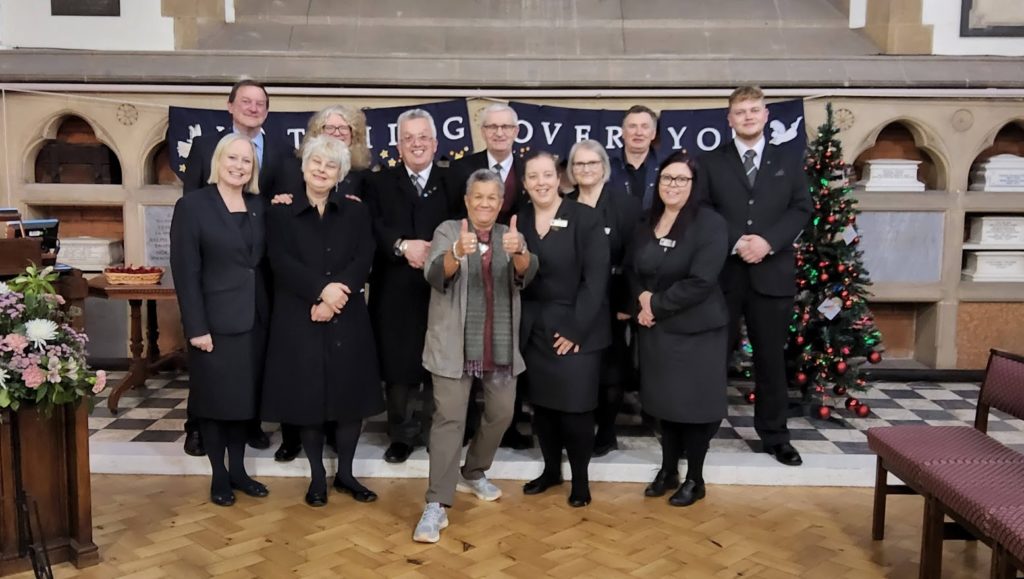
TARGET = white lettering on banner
x,y
458,133
369,139
700,139
614,138
582,132
393,128
548,133
527,135
676,137
297,135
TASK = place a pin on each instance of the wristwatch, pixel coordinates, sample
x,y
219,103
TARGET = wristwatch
x,y
400,247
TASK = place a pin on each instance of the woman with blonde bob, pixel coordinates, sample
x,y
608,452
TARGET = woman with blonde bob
x,y
217,260
321,247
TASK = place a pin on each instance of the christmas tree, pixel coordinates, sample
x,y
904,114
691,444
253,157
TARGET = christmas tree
x,y
833,331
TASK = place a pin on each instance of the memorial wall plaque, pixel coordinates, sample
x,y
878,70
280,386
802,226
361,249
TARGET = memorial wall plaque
x,y
1004,266
999,173
157,219
902,246
890,175
995,232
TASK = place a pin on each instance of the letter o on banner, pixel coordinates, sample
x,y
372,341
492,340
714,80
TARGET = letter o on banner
x,y
701,140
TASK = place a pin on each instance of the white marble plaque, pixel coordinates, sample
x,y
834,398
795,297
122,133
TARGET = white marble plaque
x,y
999,173
890,175
158,234
902,246
996,232
91,253
995,266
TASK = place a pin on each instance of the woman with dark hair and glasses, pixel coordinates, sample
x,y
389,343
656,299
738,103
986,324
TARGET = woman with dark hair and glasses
x,y
673,267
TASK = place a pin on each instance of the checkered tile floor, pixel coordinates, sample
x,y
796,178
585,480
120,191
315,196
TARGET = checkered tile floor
x,y
156,414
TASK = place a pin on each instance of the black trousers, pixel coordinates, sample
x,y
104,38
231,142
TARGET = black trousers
x,y
768,319
406,423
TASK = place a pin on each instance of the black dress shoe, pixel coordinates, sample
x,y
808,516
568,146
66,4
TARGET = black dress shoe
x,y
785,453
259,440
516,440
287,452
397,453
194,444
577,501
686,495
252,488
662,483
603,448
541,484
362,495
222,499
315,499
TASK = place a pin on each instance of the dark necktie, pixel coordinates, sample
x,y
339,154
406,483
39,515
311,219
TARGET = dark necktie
x,y
416,183
497,169
749,166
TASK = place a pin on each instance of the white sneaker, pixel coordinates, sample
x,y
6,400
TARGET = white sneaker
x,y
428,530
484,489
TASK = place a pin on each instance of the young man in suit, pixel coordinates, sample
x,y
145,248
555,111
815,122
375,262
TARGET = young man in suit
x,y
407,202
762,194
635,167
248,104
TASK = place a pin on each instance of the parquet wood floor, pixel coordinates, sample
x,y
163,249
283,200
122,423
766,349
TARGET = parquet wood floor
x,y
160,526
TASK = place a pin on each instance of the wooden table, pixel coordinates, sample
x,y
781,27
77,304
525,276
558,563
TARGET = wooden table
x,y
142,367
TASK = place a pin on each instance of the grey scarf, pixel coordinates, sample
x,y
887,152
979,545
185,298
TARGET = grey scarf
x,y
476,304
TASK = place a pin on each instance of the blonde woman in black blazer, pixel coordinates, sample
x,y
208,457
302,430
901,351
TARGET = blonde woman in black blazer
x,y
217,260
674,264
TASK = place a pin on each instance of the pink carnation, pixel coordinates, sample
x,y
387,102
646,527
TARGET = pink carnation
x,y
101,382
16,342
34,376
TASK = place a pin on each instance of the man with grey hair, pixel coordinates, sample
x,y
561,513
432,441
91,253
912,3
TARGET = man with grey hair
x,y
407,202
499,125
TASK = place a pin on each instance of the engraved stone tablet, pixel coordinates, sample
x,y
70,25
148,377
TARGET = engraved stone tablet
x,y
991,231
995,266
1000,173
158,234
890,175
91,253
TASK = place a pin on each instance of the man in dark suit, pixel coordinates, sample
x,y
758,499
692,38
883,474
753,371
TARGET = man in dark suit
x,y
248,104
407,202
635,167
762,194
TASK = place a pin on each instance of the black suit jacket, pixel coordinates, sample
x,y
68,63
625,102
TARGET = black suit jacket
x,y
278,164
686,297
219,280
777,208
464,167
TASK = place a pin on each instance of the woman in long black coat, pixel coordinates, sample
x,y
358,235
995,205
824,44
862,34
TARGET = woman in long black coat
x,y
590,170
217,260
320,362
564,326
673,266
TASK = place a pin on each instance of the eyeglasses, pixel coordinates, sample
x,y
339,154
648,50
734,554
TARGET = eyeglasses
x,y
588,165
675,180
412,139
500,128
336,129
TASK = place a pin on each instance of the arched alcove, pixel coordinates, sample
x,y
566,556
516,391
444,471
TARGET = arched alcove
x,y
76,155
897,141
157,169
1009,140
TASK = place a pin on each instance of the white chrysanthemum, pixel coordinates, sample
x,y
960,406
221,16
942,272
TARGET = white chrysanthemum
x,y
4,288
40,331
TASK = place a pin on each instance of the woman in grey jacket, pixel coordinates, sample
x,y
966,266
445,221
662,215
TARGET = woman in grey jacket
x,y
476,268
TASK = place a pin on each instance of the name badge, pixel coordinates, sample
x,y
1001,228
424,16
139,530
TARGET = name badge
x,y
559,223
667,243
607,230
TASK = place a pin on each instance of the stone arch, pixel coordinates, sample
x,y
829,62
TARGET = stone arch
x,y
72,148
906,137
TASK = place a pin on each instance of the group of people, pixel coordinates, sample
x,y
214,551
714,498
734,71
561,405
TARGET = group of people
x,y
482,278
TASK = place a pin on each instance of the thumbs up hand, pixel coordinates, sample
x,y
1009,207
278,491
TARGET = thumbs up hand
x,y
512,242
467,242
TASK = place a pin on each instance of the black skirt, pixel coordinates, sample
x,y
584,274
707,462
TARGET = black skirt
x,y
567,383
683,376
225,384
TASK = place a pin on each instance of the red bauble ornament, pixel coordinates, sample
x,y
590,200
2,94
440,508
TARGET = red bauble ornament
x,y
829,350
823,277
863,410
841,267
856,240
852,403
801,378
841,367
819,388
799,340
831,219
874,357
749,397
848,304
824,412
844,294
805,317
845,350
839,389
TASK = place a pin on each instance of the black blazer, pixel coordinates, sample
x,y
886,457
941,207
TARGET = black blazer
x,y
278,163
464,167
777,208
686,296
219,281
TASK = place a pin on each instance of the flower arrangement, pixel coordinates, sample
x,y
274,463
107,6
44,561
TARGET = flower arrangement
x,y
42,358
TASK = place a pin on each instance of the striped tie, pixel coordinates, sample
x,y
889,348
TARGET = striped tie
x,y
749,166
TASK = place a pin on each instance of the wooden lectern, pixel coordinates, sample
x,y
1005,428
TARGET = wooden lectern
x,y
54,452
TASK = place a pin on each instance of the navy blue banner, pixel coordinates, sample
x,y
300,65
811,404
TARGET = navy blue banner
x,y
451,118
556,129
